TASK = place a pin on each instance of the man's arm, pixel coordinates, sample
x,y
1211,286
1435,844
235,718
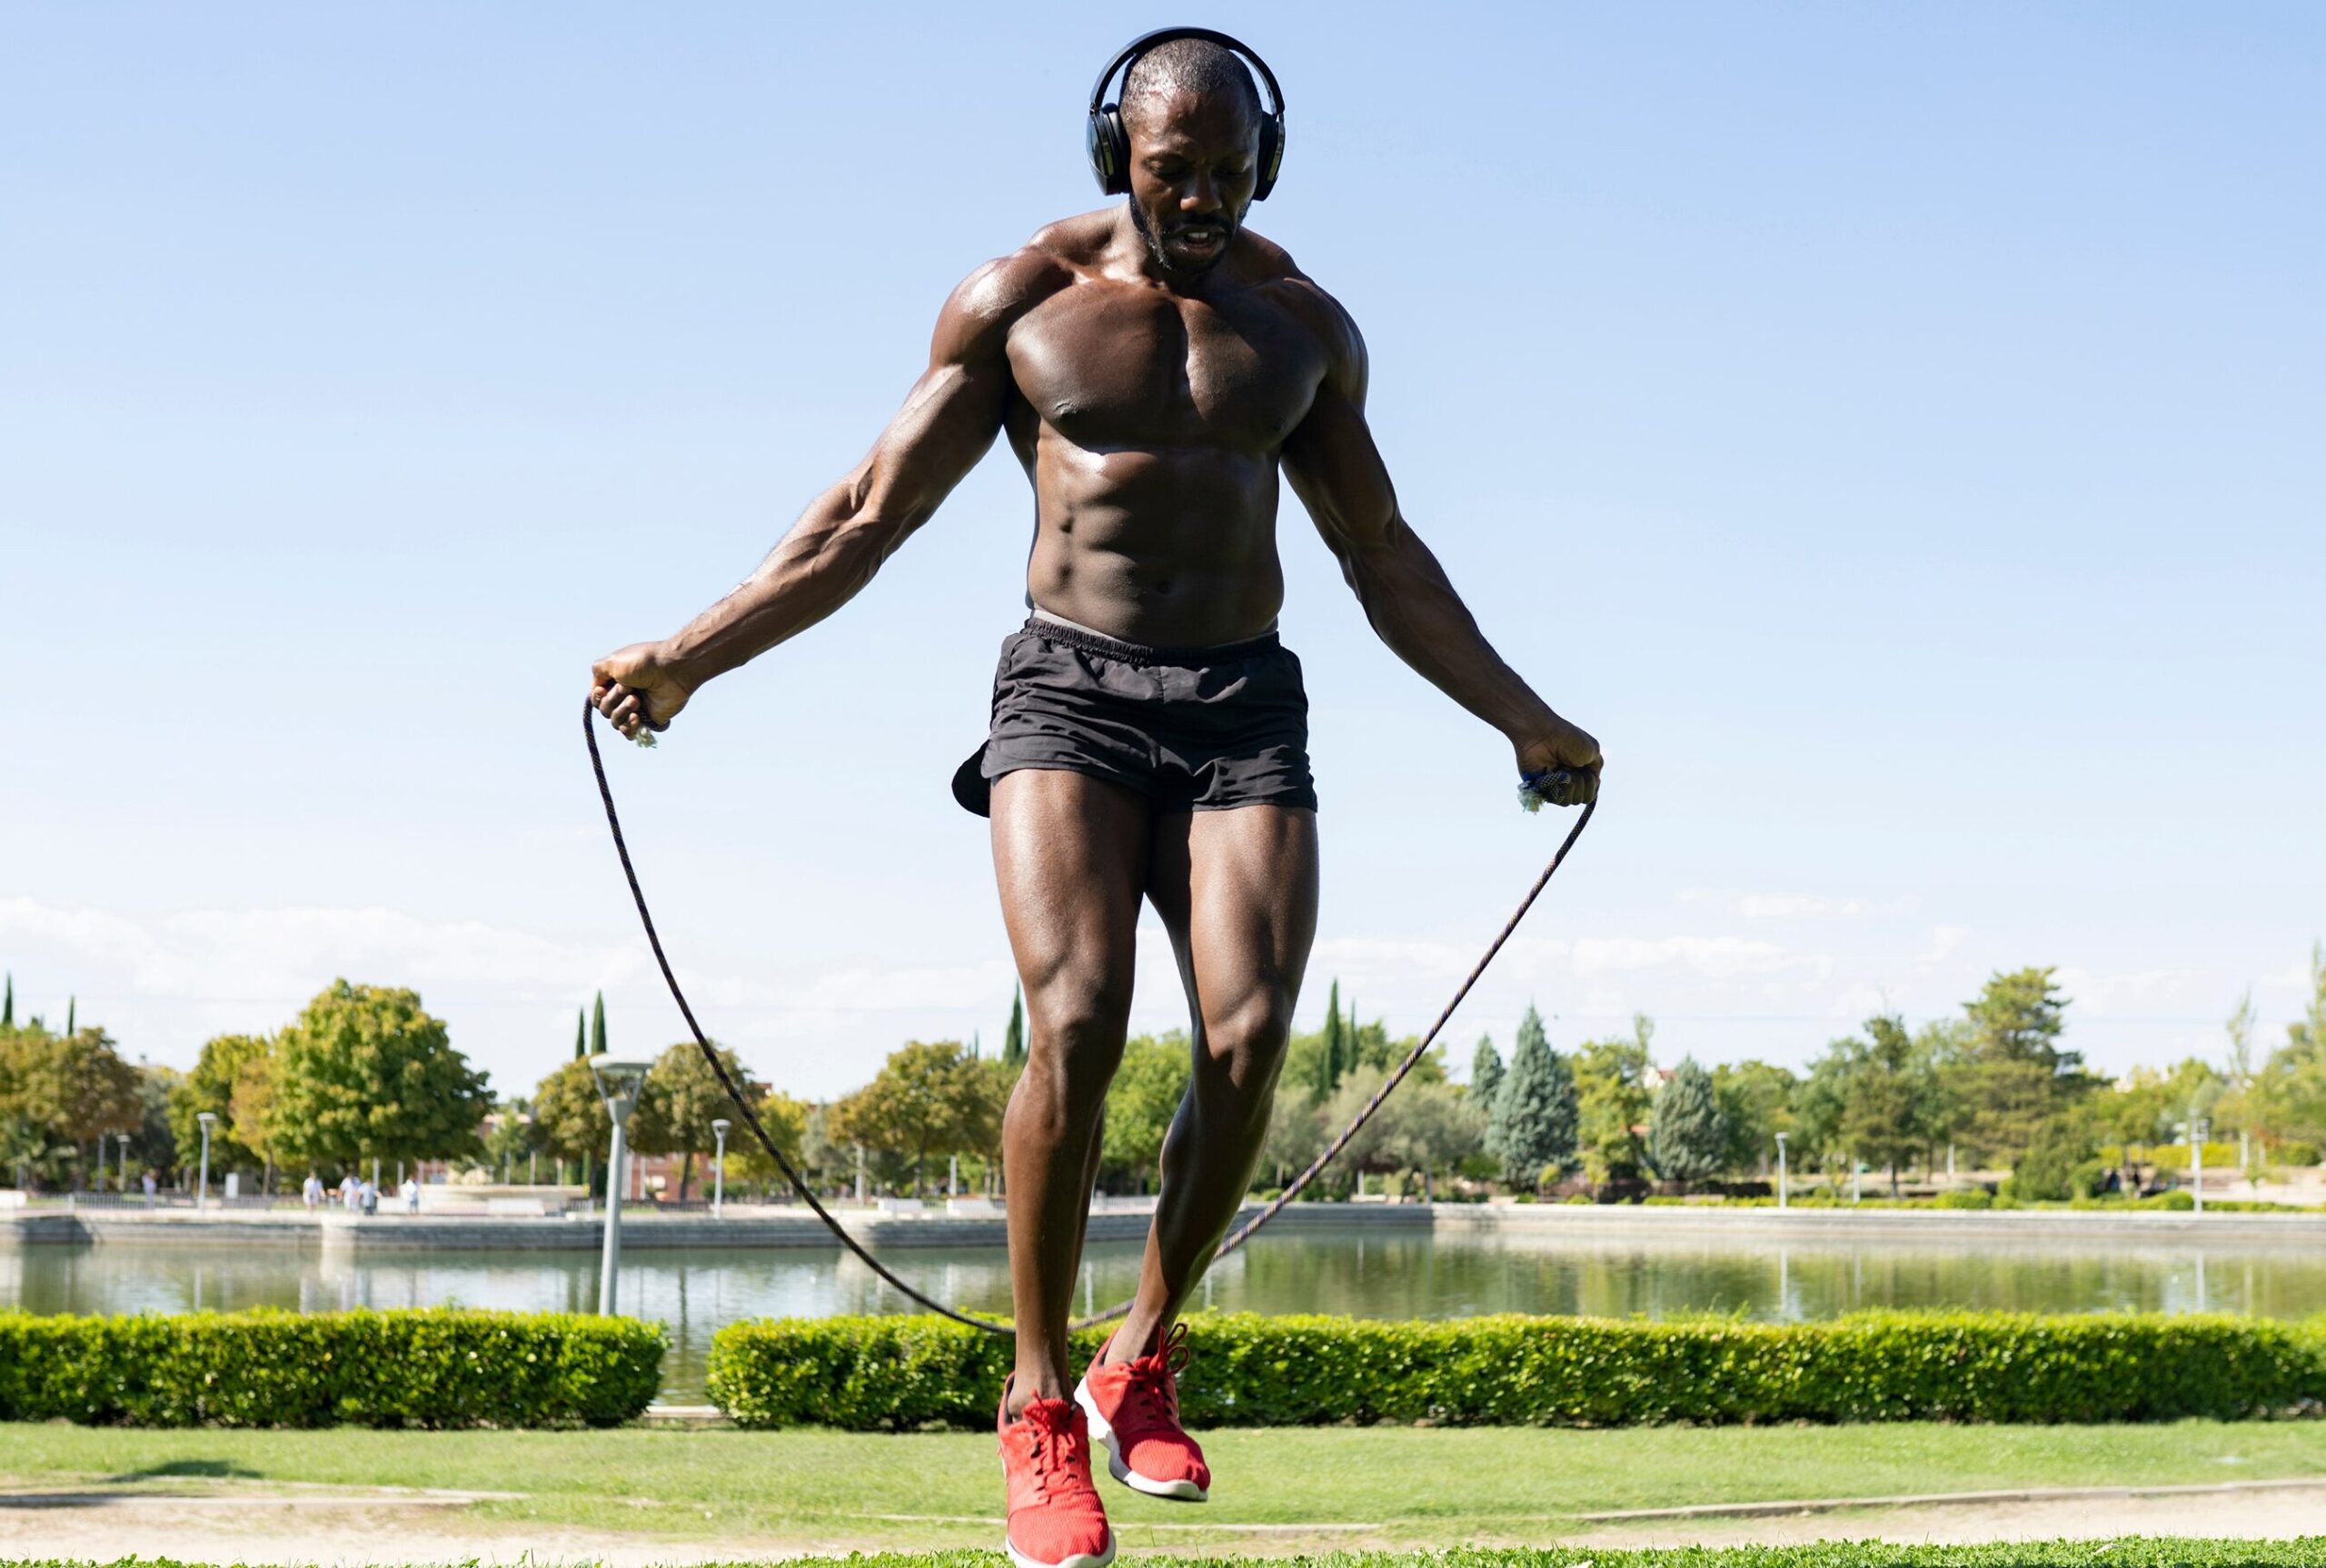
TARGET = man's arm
x,y
947,421
1338,472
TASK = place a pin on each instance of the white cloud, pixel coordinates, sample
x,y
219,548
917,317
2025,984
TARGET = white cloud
x,y
1943,941
1799,905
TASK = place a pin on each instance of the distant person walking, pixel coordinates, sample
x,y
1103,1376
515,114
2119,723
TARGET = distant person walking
x,y
310,1191
412,1194
152,1186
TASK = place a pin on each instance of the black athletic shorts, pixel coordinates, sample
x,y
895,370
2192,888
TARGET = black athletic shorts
x,y
1191,728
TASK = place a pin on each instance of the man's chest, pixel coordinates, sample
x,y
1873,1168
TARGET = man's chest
x,y
1118,365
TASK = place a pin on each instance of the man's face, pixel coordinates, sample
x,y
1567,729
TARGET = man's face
x,y
1193,165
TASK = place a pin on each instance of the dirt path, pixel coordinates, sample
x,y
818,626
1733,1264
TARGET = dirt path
x,y
352,1528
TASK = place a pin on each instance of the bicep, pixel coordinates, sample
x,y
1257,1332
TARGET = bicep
x,y
1336,471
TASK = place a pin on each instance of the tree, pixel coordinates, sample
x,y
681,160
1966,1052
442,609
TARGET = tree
x,y
1611,1085
366,1072
1755,1104
1141,1102
1889,1097
570,1120
2012,1076
2059,1163
598,1026
9,1004
509,1140
1685,1135
154,1146
210,1087
60,1092
1485,1075
1013,1041
928,1099
1533,1124
251,1109
2289,1091
1295,1132
581,1033
681,1098
1335,1058
1436,1126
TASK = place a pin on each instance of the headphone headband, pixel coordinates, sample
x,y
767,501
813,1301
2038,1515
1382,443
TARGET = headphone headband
x,y
1109,144
1140,45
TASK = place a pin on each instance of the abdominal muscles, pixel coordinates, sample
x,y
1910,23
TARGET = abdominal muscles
x,y
1170,547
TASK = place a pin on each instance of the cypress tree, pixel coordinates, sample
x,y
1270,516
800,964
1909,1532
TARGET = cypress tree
x,y
9,1004
581,1033
1013,1039
1685,1132
1485,1075
71,1011
598,1026
1533,1127
1329,1063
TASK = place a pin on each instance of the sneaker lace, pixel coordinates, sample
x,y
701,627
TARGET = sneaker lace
x,y
1051,1450
1151,1389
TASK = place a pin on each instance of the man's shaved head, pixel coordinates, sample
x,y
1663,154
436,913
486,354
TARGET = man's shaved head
x,y
1191,65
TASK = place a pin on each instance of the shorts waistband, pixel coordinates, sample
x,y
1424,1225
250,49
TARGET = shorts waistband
x,y
1140,654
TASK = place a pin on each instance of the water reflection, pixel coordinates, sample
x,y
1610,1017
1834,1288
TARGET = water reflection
x,y
1369,1274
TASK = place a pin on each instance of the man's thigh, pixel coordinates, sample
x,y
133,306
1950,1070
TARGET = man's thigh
x,y
1238,890
1070,858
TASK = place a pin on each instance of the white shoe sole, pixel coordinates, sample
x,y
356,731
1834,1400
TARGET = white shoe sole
x,y
1119,1468
1076,1560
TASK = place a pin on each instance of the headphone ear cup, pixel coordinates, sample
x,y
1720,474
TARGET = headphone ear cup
x,y
1110,147
1271,159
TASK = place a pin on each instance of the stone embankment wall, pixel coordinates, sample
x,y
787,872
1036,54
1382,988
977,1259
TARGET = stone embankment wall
x,y
763,1228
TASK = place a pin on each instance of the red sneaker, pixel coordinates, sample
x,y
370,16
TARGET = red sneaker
x,y
1056,1520
1134,1410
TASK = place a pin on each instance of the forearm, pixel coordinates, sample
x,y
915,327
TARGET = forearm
x,y
825,560
1414,608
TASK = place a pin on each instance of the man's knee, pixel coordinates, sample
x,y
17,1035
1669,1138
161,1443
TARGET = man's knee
x,y
1077,1027
1245,1041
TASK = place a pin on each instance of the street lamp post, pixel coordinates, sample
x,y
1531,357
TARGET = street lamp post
x,y
1781,1200
619,1082
202,1187
122,1138
719,1168
2199,1128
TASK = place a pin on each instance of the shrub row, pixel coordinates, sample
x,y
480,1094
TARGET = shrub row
x,y
868,1374
445,1367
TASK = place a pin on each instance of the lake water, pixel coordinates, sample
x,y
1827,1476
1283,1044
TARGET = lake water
x,y
1364,1274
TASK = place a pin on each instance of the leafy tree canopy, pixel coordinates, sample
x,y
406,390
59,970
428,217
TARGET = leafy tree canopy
x,y
365,1073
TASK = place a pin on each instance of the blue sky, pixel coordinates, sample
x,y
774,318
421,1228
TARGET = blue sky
x,y
1893,430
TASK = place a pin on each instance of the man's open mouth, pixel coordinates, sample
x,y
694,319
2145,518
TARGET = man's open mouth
x,y
1202,237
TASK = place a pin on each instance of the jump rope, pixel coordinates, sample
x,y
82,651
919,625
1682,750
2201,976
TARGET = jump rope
x,y
1556,786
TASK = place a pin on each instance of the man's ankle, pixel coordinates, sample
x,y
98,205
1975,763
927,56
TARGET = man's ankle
x,y
1023,1390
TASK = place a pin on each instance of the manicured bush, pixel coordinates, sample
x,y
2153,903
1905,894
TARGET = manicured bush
x,y
446,1367
888,1372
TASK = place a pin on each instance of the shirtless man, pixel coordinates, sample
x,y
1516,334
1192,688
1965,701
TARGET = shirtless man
x,y
1155,365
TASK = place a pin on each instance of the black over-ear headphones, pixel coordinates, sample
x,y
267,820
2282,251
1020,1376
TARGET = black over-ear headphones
x,y
1110,143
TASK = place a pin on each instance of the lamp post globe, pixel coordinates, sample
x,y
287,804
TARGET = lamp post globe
x,y
719,1126
201,1185
620,1082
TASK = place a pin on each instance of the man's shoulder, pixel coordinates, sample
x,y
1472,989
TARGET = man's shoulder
x,y
1271,266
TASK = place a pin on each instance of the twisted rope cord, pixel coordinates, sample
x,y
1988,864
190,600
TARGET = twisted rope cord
x,y
799,1184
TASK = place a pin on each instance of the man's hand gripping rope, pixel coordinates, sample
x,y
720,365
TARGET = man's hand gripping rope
x,y
1557,787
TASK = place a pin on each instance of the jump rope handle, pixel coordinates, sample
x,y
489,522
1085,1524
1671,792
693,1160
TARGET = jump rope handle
x,y
1557,787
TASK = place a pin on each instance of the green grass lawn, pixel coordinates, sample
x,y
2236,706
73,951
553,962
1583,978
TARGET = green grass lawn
x,y
2125,1553
940,1490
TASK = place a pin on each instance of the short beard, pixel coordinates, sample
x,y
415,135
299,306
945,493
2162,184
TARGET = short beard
x,y
1162,259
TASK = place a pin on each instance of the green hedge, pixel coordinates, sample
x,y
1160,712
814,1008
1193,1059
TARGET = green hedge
x,y
446,1367
2125,1551
868,1374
